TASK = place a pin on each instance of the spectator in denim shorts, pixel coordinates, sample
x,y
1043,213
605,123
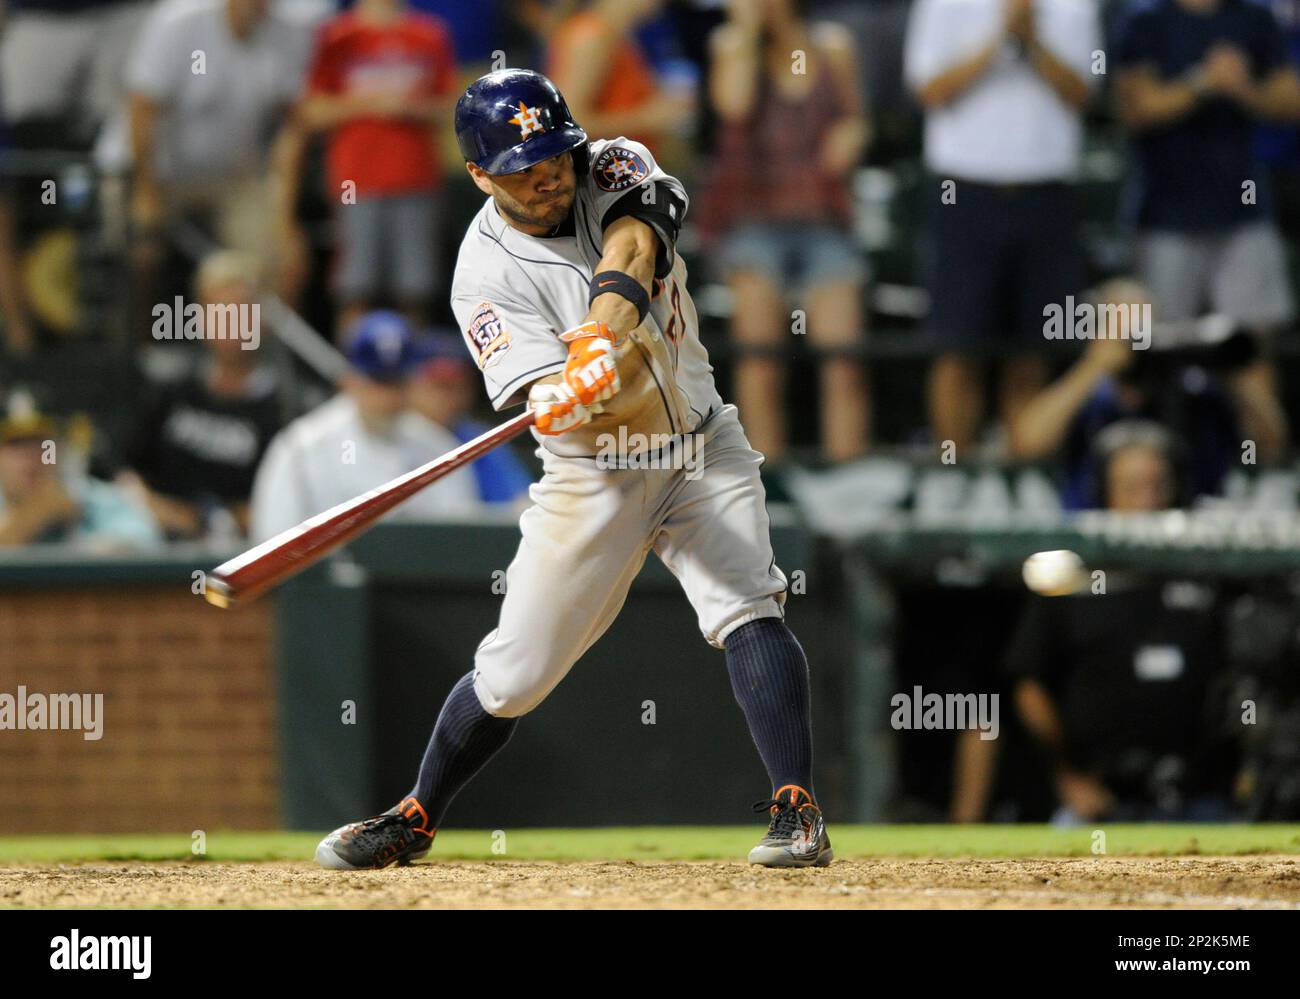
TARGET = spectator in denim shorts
x,y
777,208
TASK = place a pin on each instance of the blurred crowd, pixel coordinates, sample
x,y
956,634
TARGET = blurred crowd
x,y
242,151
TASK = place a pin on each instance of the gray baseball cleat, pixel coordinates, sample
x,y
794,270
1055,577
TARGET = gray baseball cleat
x,y
398,836
796,836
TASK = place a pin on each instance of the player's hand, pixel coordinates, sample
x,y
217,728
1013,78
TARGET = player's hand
x,y
556,407
592,369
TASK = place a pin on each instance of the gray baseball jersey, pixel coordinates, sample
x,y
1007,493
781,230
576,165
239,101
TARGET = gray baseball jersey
x,y
514,294
593,521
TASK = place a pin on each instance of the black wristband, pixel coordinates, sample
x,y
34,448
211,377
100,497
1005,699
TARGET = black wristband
x,y
618,283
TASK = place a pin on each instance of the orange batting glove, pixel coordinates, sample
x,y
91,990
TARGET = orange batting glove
x,y
556,407
591,370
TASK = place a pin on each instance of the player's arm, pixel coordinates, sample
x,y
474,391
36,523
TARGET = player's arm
x,y
631,248
618,303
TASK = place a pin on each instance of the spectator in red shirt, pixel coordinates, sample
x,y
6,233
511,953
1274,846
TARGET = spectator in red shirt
x,y
380,87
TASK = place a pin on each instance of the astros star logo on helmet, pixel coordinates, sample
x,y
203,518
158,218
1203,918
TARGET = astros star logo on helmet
x,y
527,120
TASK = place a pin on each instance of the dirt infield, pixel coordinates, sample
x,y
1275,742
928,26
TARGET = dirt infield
x,y
1103,882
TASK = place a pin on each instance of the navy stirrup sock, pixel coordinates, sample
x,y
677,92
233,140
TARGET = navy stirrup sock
x,y
769,676
464,739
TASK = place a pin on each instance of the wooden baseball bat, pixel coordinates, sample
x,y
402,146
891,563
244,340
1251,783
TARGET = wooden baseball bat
x,y
272,562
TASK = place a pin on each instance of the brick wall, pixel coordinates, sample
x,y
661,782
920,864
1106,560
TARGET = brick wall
x,y
188,712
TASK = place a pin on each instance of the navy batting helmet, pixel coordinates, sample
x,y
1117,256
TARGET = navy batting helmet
x,y
511,119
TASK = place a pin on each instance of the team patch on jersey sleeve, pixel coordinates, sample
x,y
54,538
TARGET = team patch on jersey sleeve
x,y
488,335
618,168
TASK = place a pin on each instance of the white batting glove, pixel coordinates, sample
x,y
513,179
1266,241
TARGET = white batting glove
x,y
556,407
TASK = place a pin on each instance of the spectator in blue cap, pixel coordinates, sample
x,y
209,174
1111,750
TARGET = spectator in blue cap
x,y
361,438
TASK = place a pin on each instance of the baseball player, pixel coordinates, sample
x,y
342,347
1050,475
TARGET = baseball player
x,y
573,300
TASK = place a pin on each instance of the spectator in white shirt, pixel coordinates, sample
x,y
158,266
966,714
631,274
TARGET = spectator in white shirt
x,y
1003,84
360,439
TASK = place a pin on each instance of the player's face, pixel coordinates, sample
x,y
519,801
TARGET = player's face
x,y
535,200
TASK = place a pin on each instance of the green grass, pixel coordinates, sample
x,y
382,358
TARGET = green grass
x,y
689,843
